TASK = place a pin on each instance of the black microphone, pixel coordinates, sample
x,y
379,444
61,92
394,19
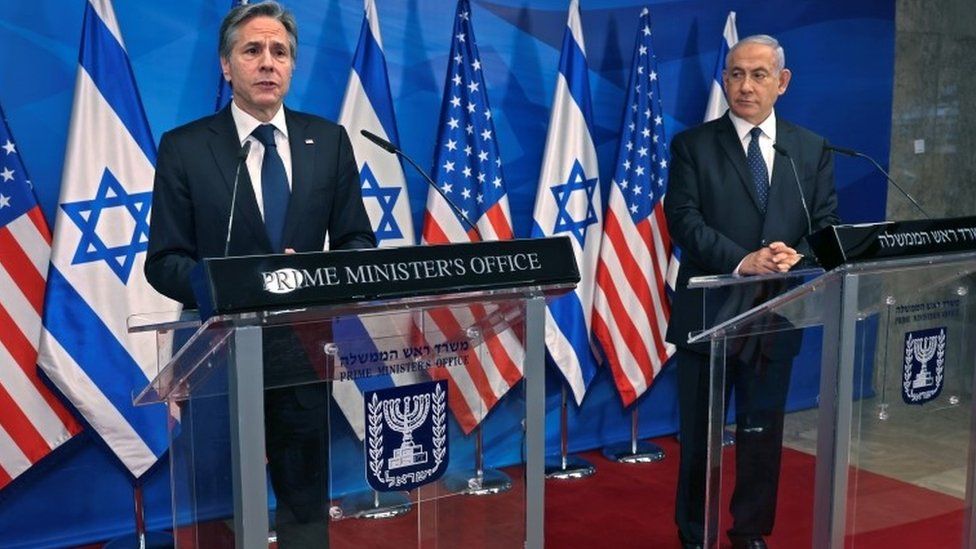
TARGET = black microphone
x,y
799,188
852,152
392,149
241,157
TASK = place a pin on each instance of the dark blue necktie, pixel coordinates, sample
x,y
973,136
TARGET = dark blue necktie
x,y
274,186
760,177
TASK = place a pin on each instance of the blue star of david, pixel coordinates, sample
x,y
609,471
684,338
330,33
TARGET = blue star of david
x,y
387,228
565,222
86,213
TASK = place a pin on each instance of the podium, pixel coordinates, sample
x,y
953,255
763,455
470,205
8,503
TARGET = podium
x,y
878,436
413,363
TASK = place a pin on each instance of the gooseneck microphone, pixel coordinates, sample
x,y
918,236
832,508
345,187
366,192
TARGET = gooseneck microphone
x,y
799,188
852,152
393,149
241,157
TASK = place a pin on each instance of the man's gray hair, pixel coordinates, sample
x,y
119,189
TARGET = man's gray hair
x,y
240,15
765,40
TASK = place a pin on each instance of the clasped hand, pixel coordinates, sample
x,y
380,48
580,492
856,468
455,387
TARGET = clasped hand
x,y
774,258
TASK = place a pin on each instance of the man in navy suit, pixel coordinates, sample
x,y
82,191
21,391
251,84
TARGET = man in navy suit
x,y
298,186
733,207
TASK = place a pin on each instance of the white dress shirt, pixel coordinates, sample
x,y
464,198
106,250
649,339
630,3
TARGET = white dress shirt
x,y
246,124
766,138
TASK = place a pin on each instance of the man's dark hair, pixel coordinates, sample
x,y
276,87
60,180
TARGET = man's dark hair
x,y
240,15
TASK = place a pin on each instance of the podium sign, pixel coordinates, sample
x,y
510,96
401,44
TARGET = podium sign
x,y
236,284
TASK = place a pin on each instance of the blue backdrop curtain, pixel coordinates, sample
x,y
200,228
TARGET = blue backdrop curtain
x,y
841,53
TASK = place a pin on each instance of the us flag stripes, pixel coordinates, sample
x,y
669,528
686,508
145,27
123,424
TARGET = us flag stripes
x,y
631,307
32,420
468,169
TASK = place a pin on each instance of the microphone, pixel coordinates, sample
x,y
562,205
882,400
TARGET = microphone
x,y
241,157
799,188
392,149
852,152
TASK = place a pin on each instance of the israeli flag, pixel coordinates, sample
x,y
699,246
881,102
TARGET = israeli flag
x,y
101,233
568,202
717,104
368,105
224,91
716,107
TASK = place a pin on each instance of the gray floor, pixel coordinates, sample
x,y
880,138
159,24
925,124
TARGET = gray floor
x,y
927,446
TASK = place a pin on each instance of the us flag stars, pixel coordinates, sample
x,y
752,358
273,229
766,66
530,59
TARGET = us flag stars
x,y
467,155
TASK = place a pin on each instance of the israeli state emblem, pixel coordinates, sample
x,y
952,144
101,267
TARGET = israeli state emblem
x,y
924,365
406,436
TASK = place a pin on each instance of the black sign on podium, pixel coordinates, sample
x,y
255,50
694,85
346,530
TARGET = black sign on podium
x,y
250,283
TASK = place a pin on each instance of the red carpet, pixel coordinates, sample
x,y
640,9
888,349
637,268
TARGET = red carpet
x,y
631,506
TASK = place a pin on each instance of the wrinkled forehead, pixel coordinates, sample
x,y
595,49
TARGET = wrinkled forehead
x,y
262,30
753,56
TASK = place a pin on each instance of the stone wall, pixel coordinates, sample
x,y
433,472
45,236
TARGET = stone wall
x,y
935,105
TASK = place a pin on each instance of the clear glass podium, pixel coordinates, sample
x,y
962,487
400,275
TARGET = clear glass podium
x,y
421,403
867,373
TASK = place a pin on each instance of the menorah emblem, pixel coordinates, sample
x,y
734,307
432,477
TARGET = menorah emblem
x,y
924,365
924,349
416,415
403,415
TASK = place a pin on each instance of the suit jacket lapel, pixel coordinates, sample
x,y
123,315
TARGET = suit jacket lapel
x,y
302,170
224,145
732,145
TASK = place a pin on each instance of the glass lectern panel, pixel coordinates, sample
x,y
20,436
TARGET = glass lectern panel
x,y
878,442
415,389
763,387
415,412
910,438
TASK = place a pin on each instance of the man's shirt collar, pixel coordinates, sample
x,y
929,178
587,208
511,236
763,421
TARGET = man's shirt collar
x,y
743,127
245,123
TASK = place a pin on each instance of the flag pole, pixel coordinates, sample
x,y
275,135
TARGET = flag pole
x,y
634,451
566,467
481,481
141,538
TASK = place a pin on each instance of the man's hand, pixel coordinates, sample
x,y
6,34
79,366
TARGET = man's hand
x,y
775,258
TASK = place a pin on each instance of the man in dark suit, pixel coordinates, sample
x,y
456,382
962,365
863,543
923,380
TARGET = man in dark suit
x,y
729,213
298,186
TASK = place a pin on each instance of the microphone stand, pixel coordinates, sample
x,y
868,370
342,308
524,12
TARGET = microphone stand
x,y
852,152
393,149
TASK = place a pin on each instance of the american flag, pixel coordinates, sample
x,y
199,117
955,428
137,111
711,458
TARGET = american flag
x,y
468,169
631,308
32,420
